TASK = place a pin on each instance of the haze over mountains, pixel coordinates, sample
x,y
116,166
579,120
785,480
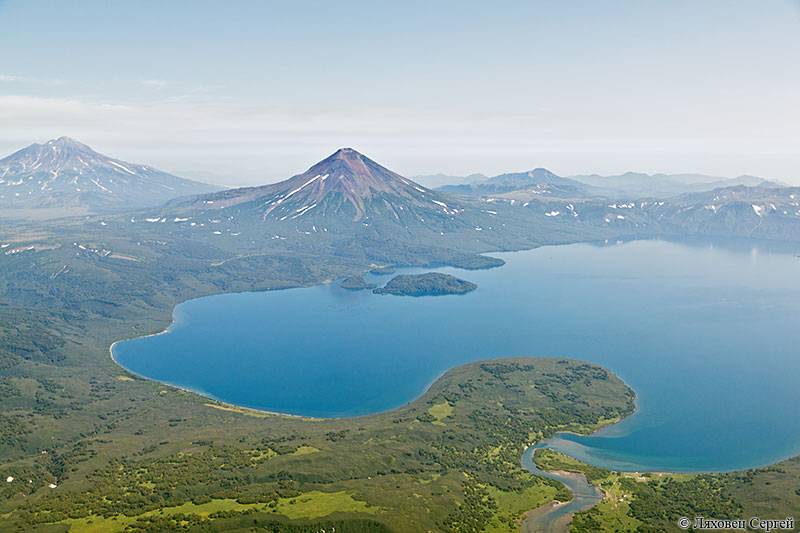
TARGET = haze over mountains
x,y
628,185
539,181
665,185
64,173
434,181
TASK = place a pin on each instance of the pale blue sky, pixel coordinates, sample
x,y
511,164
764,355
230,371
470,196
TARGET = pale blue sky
x,y
257,91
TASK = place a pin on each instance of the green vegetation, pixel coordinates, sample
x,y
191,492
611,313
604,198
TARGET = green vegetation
x,y
176,459
430,284
477,262
547,459
115,445
511,505
234,520
120,522
654,501
356,283
305,450
440,411
316,504
125,451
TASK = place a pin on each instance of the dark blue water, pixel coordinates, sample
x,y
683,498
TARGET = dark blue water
x,y
708,336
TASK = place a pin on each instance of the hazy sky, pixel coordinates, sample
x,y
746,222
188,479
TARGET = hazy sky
x,y
257,91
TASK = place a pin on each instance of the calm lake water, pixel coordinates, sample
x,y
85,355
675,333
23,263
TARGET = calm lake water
x,y
707,335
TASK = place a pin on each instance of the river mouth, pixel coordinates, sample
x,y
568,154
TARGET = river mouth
x,y
556,516
688,325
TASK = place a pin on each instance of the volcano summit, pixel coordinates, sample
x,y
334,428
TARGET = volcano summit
x,y
345,185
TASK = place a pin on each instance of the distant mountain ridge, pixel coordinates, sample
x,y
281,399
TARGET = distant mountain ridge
x,y
64,173
434,181
539,181
637,184
349,196
347,202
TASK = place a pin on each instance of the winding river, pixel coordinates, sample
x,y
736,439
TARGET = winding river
x,y
555,517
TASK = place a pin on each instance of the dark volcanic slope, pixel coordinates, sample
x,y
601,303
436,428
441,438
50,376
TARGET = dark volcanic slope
x,y
346,186
64,173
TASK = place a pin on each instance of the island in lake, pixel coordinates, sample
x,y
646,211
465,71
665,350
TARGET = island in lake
x,y
428,284
356,283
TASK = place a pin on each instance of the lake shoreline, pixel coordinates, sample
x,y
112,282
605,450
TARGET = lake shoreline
x,y
597,452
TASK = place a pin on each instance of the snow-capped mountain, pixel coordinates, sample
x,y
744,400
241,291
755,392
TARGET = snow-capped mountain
x,y
755,212
65,173
346,187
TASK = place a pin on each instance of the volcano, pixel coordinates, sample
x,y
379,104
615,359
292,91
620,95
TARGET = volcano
x,y
64,173
346,186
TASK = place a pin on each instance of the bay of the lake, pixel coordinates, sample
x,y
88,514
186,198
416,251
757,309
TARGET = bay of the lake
x,y
708,335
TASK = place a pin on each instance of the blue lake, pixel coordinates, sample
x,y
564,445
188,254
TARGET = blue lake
x,y
707,335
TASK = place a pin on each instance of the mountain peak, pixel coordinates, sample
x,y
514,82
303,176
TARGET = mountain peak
x,y
541,171
346,183
349,168
67,142
63,140
64,172
347,156
342,153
